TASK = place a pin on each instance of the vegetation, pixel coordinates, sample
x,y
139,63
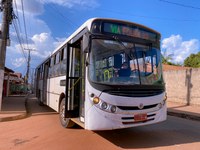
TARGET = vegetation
x,y
193,61
166,58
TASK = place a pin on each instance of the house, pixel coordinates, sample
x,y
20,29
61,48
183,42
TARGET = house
x,y
13,83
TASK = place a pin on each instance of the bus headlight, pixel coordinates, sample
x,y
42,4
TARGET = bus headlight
x,y
113,109
104,105
160,105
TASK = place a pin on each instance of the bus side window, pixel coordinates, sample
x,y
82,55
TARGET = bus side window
x,y
57,58
63,54
64,61
41,72
51,67
56,62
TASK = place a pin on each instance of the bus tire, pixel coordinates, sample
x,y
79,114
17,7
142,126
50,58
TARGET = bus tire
x,y
65,122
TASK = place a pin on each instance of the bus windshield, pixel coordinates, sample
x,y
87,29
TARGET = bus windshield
x,y
119,62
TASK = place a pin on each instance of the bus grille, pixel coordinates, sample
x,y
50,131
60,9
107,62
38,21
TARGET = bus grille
x,y
135,93
136,108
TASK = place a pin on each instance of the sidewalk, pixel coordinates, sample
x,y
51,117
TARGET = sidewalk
x,y
14,107
183,111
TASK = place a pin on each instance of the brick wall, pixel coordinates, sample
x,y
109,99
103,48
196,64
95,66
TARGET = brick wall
x,y
183,86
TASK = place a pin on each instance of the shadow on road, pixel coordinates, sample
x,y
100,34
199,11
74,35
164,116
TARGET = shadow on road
x,y
33,107
163,134
174,131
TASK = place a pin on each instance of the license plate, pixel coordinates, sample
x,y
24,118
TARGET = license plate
x,y
140,117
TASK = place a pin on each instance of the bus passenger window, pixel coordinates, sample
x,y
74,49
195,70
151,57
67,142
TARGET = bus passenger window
x,y
57,57
65,53
52,61
62,54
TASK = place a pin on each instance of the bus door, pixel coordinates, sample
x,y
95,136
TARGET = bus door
x,y
45,76
73,81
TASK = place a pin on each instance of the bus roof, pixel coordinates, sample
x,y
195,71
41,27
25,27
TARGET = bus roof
x,y
88,24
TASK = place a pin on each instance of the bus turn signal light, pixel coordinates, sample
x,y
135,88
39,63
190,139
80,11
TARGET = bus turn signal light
x,y
96,100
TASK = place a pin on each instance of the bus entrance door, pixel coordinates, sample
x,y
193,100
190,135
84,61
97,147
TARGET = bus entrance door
x,y
73,82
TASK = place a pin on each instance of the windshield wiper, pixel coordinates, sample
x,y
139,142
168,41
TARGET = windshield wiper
x,y
137,63
122,44
130,55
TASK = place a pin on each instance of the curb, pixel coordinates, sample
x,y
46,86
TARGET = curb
x,y
16,117
26,113
11,118
183,114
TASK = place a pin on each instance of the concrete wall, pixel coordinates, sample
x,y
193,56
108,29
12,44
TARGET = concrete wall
x,y
183,86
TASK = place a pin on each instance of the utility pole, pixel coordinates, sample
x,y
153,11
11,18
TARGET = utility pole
x,y
7,10
28,63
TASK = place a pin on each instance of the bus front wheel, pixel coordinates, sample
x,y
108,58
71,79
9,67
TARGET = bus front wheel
x,y
65,122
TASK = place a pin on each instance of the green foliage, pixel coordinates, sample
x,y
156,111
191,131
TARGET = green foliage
x,y
193,61
166,58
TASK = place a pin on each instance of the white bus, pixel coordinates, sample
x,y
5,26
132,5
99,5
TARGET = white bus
x,y
106,75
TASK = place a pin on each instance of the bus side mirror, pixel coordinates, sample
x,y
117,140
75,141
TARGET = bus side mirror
x,y
85,44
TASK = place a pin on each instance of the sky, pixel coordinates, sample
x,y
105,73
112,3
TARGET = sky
x,y
44,24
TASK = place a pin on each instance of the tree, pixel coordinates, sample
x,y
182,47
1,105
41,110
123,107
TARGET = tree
x,y
193,61
166,58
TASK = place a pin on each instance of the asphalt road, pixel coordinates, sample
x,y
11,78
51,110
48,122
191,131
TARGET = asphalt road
x,y
42,130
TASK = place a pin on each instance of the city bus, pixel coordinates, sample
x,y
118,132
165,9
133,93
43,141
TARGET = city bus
x,y
107,75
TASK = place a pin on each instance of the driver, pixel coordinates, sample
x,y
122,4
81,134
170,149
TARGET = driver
x,y
125,70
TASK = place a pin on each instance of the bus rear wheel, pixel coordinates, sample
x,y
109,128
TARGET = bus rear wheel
x,y
65,122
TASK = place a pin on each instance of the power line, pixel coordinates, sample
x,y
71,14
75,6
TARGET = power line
x,y
179,4
63,17
24,22
17,15
143,16
19,39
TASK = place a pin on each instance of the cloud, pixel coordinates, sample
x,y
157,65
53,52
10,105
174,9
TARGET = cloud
x,y
39,34
32,7
43,44
18,62
58,41
179,48
74,3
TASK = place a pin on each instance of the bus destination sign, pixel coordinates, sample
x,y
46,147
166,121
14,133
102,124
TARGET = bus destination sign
x,y
133,31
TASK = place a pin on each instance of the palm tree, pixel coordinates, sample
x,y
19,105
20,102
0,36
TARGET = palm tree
x,y
166,58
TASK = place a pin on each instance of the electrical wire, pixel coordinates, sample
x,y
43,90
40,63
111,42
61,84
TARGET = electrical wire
x,y
63,17
19,39
17,28
148,17
24,22
179,4
17,15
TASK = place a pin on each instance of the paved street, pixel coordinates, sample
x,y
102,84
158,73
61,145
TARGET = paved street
x,y
41,130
